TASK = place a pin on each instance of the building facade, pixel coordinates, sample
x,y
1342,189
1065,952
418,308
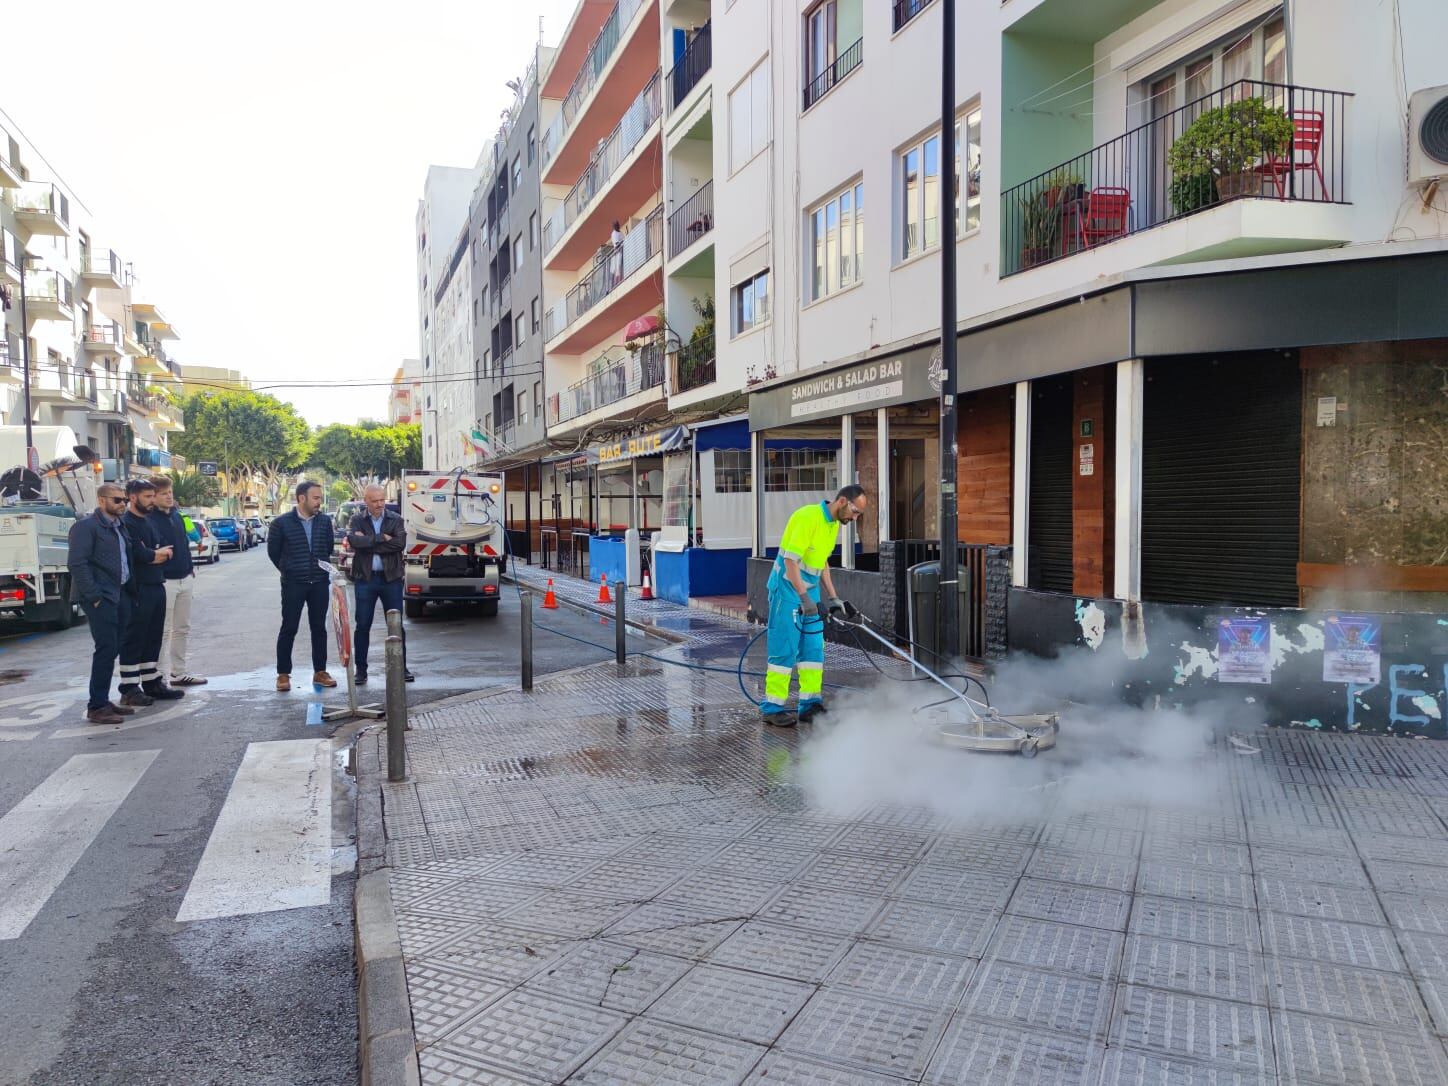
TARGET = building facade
x,y
404,398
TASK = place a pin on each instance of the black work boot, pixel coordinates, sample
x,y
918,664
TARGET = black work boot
x,y
159,691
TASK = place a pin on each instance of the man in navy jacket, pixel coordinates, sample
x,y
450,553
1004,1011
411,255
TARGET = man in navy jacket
x,y
295,543
100,576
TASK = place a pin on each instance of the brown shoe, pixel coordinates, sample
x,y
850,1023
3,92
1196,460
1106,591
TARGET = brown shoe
x,y
284,683
122,710
103,715
321,678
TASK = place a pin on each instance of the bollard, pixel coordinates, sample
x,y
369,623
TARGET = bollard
x,y
620,628
525,623
396,700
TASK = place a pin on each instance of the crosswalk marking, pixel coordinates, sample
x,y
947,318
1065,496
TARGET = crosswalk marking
x,y
44,835
271,847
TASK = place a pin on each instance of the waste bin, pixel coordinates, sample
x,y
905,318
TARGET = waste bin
x,y
923,582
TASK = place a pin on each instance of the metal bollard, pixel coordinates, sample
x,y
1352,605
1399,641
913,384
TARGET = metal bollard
x,y
620,628
525,622
396,700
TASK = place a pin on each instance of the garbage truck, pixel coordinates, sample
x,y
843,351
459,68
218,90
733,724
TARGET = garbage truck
x,y
37,510
456,550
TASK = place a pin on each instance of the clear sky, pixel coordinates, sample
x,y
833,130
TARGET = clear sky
x,y
260,164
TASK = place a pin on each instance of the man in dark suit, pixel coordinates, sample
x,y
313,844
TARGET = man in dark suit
x,y
141,682
296,541
100,577
377,537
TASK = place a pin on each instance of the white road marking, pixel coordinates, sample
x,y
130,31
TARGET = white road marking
x,y
44,835
271,847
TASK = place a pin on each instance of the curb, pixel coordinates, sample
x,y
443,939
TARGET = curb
x,y
387,1046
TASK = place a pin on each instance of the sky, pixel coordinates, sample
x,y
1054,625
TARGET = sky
x,y
260,164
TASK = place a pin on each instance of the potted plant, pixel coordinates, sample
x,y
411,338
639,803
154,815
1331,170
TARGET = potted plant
x,y
1227,143
1190,192
1040,227
1063,184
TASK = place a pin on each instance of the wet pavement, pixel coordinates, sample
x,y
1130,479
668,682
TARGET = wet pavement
x,y
623,877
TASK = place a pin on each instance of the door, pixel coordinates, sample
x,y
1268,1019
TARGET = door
x,y
907,489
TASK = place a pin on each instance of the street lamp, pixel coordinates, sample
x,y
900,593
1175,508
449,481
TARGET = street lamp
x,y
949,529
32,456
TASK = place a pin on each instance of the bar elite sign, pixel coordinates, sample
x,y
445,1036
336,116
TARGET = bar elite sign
x,y
863,387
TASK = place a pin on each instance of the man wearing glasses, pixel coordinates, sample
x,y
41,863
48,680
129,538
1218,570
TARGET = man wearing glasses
x,y
796,635
101,582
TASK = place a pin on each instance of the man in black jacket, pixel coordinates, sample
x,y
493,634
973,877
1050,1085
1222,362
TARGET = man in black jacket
x,y
100,579
295,543
377,538
141,682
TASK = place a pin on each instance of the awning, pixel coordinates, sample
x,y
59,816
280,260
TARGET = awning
x,y
654,444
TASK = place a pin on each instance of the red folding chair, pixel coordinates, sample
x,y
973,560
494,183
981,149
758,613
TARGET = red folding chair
x,y
1307,126
1106,218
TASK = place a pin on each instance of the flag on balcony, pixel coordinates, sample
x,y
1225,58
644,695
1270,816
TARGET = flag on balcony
x,y
479,443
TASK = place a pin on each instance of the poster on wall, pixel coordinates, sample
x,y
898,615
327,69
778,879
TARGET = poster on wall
x,y
1352,650
1244,650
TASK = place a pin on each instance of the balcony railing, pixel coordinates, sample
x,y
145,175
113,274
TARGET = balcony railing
x,y
1126,186
42,198
694,364
691,220
905,10
844,64
611,382
692,66
613,265
49,287
589,73
106,335
104,262
628,134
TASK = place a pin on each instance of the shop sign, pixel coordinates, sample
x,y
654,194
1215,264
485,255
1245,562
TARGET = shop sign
x,y
661,441
883,383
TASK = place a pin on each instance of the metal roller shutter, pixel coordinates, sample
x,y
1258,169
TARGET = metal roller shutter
x,y
1220,476
1049,550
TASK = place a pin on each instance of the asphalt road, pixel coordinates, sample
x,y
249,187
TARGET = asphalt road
x,y
108,835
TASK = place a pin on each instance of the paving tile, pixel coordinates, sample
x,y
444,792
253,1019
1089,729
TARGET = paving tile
x,y
1331,941
1128,1067
568,913
442,995
1068,904
1085,868
672,929
907,976
794,831
1198,852
865,1032
781,951
889,842
1427,953
535,1033
1342,870
783,1069
1195,968
1035,999
501,952
1364,995
738,1004
1358,905
865,874
924,926
758,859
547,869
1078,838
1413,850
1063,948
626,878
1193,921
442,1067
990,1054
1340,1053
957,887
821,910
1193,1027
681,850
474,899
1276,833
650,1052
982,854
612,975
1214,824
420,932
1418,911
1408,878
721,892
1195,884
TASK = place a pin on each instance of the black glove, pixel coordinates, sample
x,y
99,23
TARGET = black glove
x,y
838,607
808,608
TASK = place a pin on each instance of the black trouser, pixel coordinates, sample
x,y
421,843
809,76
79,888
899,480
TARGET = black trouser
x,y
314,596
108,622
141,643
369,592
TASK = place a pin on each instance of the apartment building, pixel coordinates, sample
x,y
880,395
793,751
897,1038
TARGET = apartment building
x,y
97,351
1201,262
404,398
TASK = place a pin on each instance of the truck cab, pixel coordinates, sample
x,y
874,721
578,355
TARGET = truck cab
x,y
455,543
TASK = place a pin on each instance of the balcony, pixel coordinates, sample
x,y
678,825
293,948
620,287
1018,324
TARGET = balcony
x,y
693,66
618,376
627,179
42,209
56,384
905,10
11,174
618,64
103,269
154,360
692,220
694,365
110,405
1246,201
102,338
825,81
48,297
610,290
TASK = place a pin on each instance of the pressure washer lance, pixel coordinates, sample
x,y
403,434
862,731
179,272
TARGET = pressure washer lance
x,y
968,724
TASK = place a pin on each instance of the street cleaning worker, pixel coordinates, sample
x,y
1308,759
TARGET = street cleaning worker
x,y
796,627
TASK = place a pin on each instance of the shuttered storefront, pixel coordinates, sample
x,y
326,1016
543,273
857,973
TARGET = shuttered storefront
x,y
1221,470
1052,445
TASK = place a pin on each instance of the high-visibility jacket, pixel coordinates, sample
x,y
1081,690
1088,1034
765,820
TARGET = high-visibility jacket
x,y
809,538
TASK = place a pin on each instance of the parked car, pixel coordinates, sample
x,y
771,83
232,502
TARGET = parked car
x,y
258,529
345,512
229,532
204,548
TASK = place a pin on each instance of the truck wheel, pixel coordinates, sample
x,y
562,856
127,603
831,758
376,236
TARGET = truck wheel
x,y
490,608
413,608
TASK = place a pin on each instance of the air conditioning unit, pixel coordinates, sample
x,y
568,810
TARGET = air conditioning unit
x,y
1428,135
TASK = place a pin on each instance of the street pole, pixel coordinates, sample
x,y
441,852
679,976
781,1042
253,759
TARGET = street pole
x,y
949,560
31,459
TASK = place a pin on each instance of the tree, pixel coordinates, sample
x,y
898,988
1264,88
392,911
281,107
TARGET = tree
x,y
367,453
249,434
194,490
339,492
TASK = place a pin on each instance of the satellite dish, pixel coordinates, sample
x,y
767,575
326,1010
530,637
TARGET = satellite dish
x,y
21,483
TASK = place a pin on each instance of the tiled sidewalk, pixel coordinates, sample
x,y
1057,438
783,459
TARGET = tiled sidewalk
x,y
615,880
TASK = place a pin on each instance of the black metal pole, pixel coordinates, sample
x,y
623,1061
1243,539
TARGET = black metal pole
x,y
25,357
525,623
949,562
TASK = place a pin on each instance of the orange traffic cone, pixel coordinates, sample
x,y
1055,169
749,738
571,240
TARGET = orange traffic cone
x,y
550,601
603,596
647,592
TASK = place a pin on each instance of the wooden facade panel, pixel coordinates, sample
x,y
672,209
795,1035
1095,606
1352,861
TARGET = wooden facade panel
x,y
984,467
1093,495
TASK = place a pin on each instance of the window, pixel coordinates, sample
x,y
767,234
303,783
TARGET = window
x,y
475,311
749,116
520,329
820,44
1258,51
751,303
732,471
522,408
532,145
488,424
518,252
534,311
920,196
537,397
517,172
487,361
971,205
836,241
800,469
533,231
475,252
